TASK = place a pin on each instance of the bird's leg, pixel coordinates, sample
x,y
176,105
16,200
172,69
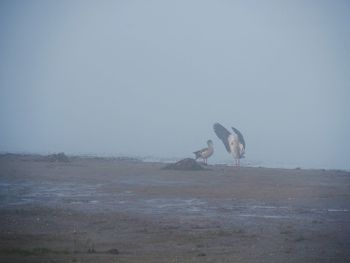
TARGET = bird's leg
x,y
237,162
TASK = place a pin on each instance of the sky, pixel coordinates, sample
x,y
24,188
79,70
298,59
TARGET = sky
x,y
150,78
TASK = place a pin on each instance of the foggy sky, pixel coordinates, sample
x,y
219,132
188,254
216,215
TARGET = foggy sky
x,y
150,78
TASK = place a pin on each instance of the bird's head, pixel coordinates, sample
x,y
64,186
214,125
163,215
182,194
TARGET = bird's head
x,y
210,143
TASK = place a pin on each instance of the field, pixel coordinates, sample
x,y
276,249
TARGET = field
x,y
115,210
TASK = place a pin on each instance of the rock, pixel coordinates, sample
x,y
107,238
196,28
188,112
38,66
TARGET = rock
x,y
113,251
58,157
91,250
187,164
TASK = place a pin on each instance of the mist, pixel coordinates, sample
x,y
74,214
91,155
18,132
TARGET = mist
x,y
150,78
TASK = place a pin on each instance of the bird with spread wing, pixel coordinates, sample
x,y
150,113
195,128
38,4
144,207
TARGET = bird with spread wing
x,y
234,142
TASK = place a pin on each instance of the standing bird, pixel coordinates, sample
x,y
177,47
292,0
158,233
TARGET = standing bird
x,y
206,152
234,142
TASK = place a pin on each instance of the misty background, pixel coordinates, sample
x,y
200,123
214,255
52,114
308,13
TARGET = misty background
x,y
150,78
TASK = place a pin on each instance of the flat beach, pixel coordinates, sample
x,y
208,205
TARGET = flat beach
x,y
124,210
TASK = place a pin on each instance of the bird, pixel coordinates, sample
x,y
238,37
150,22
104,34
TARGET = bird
x,y
234,142
205,153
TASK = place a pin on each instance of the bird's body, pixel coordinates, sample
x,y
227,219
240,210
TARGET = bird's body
x,y
234,142
205,153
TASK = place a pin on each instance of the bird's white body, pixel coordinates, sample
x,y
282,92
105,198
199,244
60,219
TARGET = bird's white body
x,y
234,146
207,152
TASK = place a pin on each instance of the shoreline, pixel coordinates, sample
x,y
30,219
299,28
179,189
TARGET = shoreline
x,y
121,157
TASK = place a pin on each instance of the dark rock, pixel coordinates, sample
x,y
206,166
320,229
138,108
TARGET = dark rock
x,y
91,250
113,251
58,157
185,164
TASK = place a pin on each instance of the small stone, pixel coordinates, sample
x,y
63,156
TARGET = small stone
x,y
113,251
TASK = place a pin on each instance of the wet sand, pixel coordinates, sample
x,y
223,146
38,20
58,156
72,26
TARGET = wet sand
x,y
106,210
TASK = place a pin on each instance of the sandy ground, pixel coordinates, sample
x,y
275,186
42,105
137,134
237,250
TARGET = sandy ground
x,y
99,210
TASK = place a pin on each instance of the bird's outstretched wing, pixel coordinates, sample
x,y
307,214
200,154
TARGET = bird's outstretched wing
x,y
240,136
222,134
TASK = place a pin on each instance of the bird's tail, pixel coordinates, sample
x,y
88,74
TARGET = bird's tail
x,y
197,154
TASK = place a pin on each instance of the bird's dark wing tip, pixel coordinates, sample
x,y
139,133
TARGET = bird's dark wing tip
x,y
222,134
240,136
